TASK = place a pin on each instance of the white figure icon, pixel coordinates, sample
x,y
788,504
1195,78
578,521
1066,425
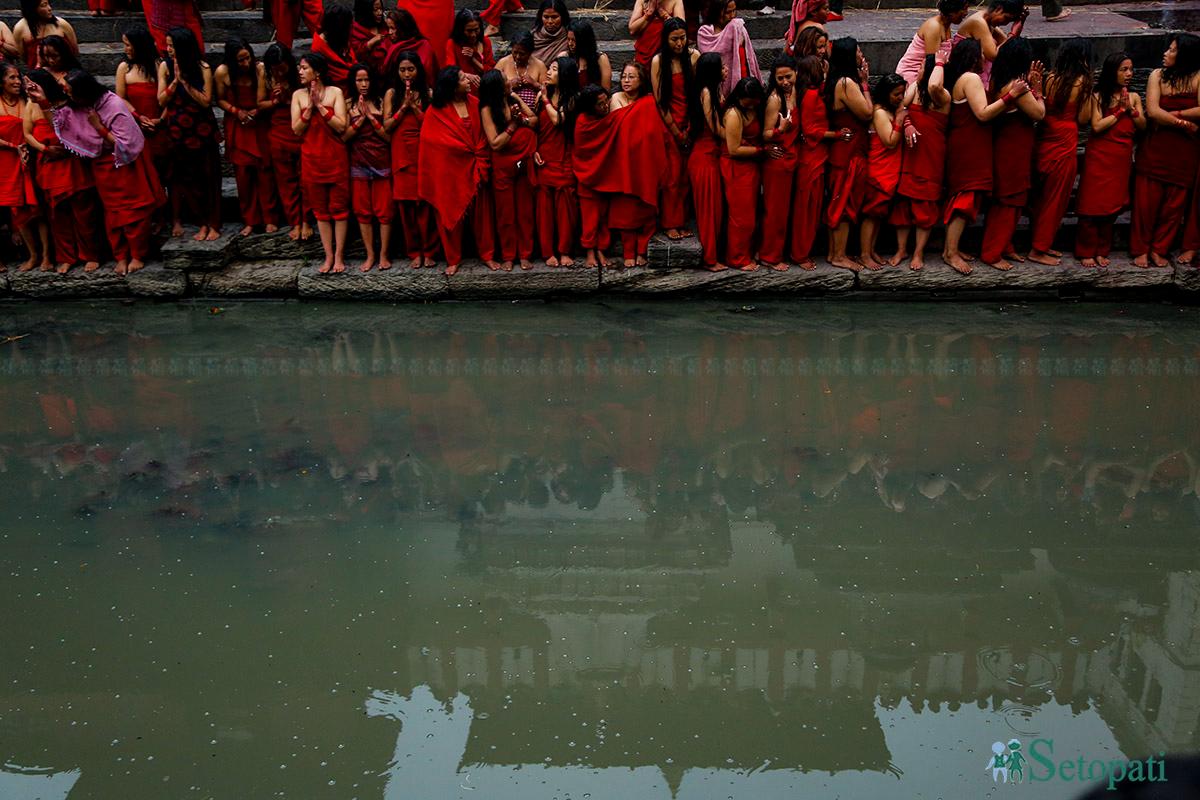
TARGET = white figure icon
x,y
997,762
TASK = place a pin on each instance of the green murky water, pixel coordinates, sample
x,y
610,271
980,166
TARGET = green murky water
x,y
521,551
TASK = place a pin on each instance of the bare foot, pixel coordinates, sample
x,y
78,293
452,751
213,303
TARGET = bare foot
x,y
603,259
306,232
384,263
716,268
46,265
807,264
917,264
1141,261
1087,262
1054,253
494,266
629,262
176,230
591,260
552,262
782,266
415,263
271,228
506,266
490,30
1159,261
1186,257
368,262
845,262
451,269
63,269
326,266
566,261
1044,258
213,235
294,233
957,262
675,234
91,266
641,261
1001,265
871,262
134,265
121,268
897,259
201,234
967,257
1013,255
246,231
27,265
751,267
1102,261
339,266
526,264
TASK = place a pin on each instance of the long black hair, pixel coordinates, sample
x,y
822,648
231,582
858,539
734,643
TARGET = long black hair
x,y
1013,60
967,56
1107,86
493,95
666,87
318,64
713,11
565,93
364,14
29,13
586,48
1072,66
406,24
374,86
462,18
1187,61
85,89
50,85
747,89
781,61
948,7
445,87
66,54
420,82
708,76
557,5
881,92
335,26
278,54
188,56
843,63
232,48
145,51
810,74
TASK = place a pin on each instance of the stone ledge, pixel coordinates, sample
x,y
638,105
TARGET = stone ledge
x,y
155,280
76,283
185,253
938,277
397,283
249,279
647,280
474,281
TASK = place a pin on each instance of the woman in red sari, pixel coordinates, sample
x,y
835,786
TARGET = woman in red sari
x,y
704,160
671,76
884,161
163,15
37,22
282,80
455,170
286,16
510,129
495,10
404,108
1068,98
319,118
185,89
919,193
369,35
96,124
806,15
1013,138
969,144
741,170
1117,116
66,185
808,194
137,84
16,180
781,127
241,84
645,26
557,204
1168,158
848,106
405,37
370,166
333,44
469,49
591,107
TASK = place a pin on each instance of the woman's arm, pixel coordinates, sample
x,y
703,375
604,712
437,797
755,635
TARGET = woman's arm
x,y
301,112
605,67
32,113
498,138
1139,121
771,118
122,71
339,120
1032,106
221,83
977,98
69,35
887,128
262,98
733,137
853,99
166,89
356,120
203,95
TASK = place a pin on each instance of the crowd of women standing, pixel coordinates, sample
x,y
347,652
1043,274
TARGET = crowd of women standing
x,y
535,154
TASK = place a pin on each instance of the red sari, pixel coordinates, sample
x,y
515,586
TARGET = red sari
x,y
742,178
286,14
284,148
423,50
339,67
144,99
452,56
69,190
648,43
1013,141
557,205
513,183
778,178
16,182
704,174
324,171
919,192
454,178
809,192
1057,165
968,162
1167,162
247,148
847,174
496,8
416,217
1104,186
435,20
162,15
672,211
374,56
883,174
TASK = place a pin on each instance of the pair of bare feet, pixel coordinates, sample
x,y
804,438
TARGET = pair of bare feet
x,y
1098,261
422,261
595,258
630,263
1155,260
300,233
675,234
507,266
44,264
560,261
332,264
383,262
249,229
129,267
205,234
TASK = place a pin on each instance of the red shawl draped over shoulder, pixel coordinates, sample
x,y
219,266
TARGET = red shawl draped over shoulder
x,y
455,159
434,19
424,52
339,68
373,57
623,152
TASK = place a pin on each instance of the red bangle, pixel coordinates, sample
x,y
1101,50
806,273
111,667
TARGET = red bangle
x,y
327,112
1133,113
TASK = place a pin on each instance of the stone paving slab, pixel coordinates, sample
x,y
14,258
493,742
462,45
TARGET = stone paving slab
x,y
249,279
185,253
937,276
474,281
397,283
155,280
76,283
825,279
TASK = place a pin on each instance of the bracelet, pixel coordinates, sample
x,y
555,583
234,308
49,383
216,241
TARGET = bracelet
x,y
1007,98
1133,113
327,112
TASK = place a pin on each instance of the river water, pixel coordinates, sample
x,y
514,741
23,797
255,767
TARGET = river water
x,y
526,551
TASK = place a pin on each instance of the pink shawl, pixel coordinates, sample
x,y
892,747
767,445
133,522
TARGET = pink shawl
x,y
799,14
728,43
81,137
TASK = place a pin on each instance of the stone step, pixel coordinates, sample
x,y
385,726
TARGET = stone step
x,y
135,6
102,58
219,26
